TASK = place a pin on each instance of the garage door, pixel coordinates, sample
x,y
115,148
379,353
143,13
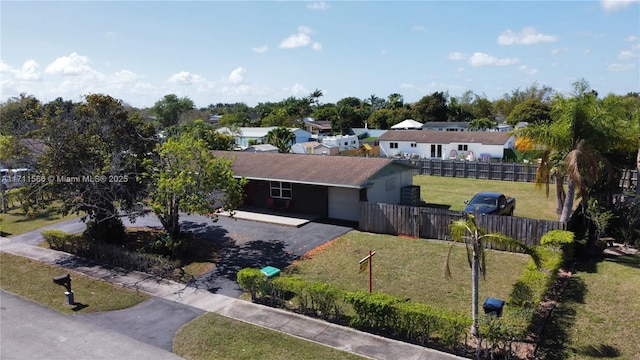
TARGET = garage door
x,y
344,204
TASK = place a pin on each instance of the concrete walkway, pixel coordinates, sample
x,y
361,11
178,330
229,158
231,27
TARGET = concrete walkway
x,y
336,336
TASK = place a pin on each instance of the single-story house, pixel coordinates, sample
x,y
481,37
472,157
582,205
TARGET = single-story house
x,y
244,135
446,125
314,147
468,145
343,142
318,128
327,186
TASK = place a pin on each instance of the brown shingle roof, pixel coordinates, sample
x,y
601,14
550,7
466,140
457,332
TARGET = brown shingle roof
x,y
446,137
343,171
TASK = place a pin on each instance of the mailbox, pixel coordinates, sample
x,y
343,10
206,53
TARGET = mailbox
x,y
64,280
493,306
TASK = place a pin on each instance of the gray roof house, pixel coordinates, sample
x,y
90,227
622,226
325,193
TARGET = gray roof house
x,y
327,186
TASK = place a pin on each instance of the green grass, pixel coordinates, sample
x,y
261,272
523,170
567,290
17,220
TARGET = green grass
x,y
531,201
599,315
409,268
33,280
15,222
213,336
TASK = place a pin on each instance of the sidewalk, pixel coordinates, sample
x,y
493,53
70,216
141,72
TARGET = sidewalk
x,y
336,336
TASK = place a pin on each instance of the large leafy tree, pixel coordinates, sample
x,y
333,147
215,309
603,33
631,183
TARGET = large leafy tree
x,y
189,179
170,108
94,158
282,138
475,239
431,108
531,111
199,129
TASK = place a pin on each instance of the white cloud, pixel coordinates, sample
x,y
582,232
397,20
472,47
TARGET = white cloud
x,y
300,39
124,76
186,78
297,90
318,5
110,35
621,67
482,59
615,5
407,86
73,64
527,70
457,56
30,71
558,51
260,49
237,75
626,55
418,28
528,36
383,52
586,51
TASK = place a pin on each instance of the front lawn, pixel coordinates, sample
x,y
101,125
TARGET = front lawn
x,y
34,280
213,336
409,268
599,315
15,222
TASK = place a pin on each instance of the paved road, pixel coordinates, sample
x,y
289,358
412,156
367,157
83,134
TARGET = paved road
x,y
30,331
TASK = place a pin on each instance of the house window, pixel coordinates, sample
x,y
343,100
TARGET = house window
x,y
414,144
393,145
436,151
463,147
280,190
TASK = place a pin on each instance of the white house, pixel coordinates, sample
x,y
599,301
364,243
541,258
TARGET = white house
x,y
244,135
468,145
343,142
446,125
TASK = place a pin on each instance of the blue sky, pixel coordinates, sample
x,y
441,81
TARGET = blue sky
x,y
219,51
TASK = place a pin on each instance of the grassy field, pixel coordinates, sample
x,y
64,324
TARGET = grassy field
x,y
213,336
409,268
531,201
33,280
16,222
599,316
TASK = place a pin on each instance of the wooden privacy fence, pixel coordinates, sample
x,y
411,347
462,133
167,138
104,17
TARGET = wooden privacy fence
x,y
432,223
493,170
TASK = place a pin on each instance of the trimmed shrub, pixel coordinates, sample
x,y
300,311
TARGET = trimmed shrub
x,y
324,300
373,310
58,239
252,280
560,240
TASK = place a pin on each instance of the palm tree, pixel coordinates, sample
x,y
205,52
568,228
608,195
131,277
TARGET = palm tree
x,y
582,129
282,138
475,239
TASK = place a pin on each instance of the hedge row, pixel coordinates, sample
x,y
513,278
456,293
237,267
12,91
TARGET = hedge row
x,y
110,254
371,311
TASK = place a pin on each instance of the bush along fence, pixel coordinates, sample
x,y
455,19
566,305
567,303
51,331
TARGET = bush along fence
x,y
433,223
110,254
419,323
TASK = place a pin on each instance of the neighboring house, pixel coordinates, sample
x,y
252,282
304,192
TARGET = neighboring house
x,y
244,135
262,148
314,147
343,142
446,125
469,145
318,128
408,124
215,119
326,186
